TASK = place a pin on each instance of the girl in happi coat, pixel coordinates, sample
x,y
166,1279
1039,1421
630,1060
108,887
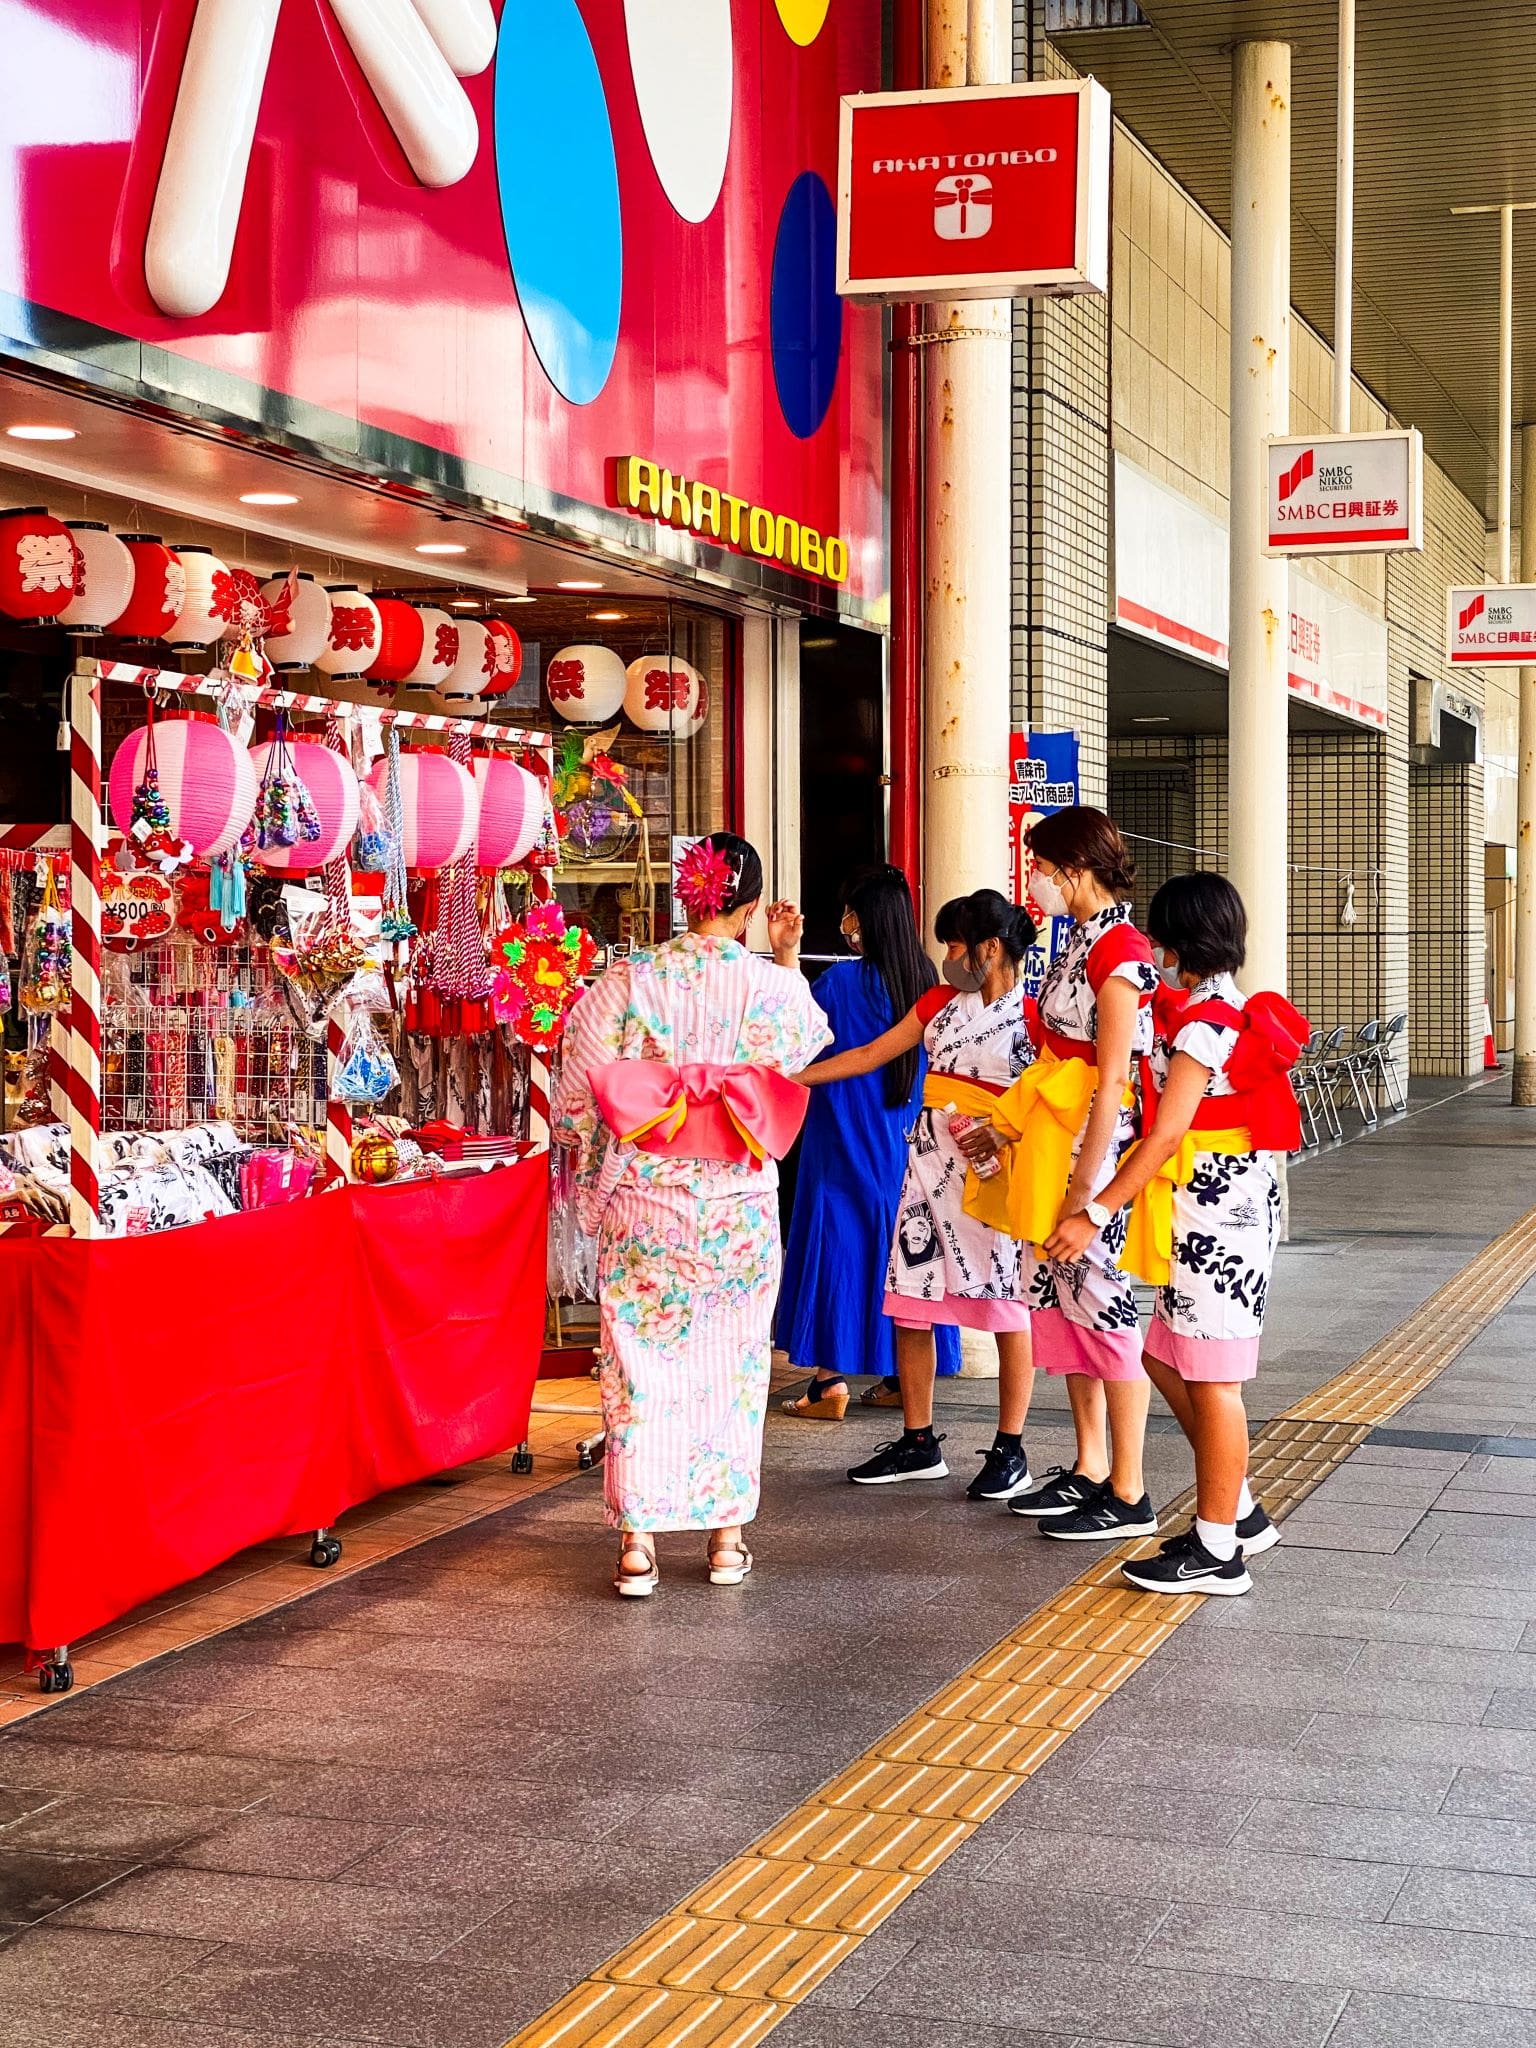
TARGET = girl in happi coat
x,y
673,1095
945,1269
1206,1208
1064,1128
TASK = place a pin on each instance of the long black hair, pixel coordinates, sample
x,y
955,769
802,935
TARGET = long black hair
x,y
892,948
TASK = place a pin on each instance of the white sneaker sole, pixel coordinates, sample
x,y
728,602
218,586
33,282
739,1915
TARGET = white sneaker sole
x,y
1101,1535
1265,1540
1025,1485
636,1588
939,1471
1043,1514
1213,1586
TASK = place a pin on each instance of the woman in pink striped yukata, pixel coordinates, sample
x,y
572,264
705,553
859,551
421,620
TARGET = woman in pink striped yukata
x,y
673,1094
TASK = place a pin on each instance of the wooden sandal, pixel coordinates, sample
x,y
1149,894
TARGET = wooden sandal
x,y
732,1574
632,1585
822,1401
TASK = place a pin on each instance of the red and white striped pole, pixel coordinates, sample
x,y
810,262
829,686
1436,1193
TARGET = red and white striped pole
x,y
87,843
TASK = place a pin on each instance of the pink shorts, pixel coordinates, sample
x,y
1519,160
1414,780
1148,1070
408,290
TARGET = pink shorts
x,y
1220,1360
955,1311
1063,1346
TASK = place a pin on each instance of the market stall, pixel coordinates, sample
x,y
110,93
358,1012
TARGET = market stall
x,y
240,1290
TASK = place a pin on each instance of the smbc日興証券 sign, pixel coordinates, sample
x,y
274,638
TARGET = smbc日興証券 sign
x,y
1488,624
1345,494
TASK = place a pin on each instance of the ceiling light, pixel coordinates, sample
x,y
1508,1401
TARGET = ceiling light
x,y
577,584
441,547
517,600
1162,718
464,604
607,618
41,433
268,498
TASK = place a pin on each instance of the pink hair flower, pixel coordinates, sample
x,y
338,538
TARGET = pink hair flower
x,y
705,879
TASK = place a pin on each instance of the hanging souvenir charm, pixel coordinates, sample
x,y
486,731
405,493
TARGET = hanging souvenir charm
x,y
47,957
285,810
539,964
151,814
395,924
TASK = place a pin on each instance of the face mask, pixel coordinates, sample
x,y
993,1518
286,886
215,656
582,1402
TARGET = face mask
x,y
853,940
1047,892
1170,975
961,975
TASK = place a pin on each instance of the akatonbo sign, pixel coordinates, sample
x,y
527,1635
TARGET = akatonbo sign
x,y
1490,623
984,192
1345,494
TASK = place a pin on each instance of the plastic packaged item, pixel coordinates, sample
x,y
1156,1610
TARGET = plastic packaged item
x,y
984,1169
366,1071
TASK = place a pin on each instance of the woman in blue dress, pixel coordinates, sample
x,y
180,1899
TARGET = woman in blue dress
x,y
852,1161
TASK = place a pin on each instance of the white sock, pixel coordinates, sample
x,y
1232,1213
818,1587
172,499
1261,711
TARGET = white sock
x,y
1244,1503
1219,1538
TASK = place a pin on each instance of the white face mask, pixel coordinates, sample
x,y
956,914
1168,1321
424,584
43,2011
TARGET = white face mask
x,y
1047,892
1168,967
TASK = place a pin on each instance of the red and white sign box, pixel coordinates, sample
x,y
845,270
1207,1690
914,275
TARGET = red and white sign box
x,y
981,192
1488,623
1345,494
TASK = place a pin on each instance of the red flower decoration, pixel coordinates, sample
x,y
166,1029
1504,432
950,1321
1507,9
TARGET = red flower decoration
x,y
705,879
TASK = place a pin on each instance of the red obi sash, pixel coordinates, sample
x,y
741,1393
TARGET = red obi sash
x,y
739,1113
1271,1036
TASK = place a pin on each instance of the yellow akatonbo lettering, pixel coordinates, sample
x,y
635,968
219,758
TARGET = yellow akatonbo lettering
x,y
655,492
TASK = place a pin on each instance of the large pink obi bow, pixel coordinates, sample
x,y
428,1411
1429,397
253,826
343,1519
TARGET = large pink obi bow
x,y
739,1113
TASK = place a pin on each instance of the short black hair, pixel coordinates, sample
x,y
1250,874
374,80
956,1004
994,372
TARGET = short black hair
x,y
971,920
1201,918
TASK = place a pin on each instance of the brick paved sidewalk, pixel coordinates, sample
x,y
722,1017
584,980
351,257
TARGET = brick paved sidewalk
x,y
420,1805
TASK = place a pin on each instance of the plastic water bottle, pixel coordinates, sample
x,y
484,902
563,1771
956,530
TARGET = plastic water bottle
x,y
959,1124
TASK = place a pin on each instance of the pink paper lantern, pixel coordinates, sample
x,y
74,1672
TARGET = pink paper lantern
x,y
440,806
206,778
332,786
511,811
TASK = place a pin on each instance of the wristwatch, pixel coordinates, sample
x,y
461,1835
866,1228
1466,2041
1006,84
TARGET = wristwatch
x,y
1097,1214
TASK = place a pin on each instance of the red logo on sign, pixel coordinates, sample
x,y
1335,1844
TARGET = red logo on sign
x,y
1296,475
1473,611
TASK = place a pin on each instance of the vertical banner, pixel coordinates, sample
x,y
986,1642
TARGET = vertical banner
x,y
1042,777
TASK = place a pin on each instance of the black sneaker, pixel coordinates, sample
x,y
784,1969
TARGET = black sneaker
x,y
1004,1473
1103,1519
1063,1491
1256,1533
908,1457
1186,1566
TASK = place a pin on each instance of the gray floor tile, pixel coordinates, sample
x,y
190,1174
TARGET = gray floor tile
x,y
75,1970
33,1885
1418,1661
1246,1773
1502,1794
1031,1919
1286,1612
1241,1689
1477,1902
1414,1742
122,2032
1438,1841
869,1965
129,1830
1371,2020
1443,1596
817,2027
282,1845
1138,1812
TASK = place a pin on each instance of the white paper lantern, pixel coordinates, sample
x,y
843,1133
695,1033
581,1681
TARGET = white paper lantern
x,y
696,724
439,650
356,633
103,578
585,684
309,617
661,694
197,624
469,674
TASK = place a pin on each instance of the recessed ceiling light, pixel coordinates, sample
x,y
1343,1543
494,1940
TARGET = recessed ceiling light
x,y
268,498
41,433
442,547
1162,718
464,604
578,584
517,600
607,618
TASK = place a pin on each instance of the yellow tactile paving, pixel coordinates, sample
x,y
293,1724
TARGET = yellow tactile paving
x,y
841,1864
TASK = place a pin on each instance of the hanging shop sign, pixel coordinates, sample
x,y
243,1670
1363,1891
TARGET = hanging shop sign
x,y
1042,777
714,515
1489,623
983,192
1170,561
1345,494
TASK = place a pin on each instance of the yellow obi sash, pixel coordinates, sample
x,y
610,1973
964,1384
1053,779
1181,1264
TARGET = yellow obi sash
x,y
1043,1113
953,1091
1149,1232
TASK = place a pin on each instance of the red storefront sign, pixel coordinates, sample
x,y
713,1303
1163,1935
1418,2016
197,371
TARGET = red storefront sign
x,y
1491,624
983,192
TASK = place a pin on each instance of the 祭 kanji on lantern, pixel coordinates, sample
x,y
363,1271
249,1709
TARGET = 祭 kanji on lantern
x,y
353,644
249,614
585,683
439,649
159,587
661,693
37,564
537,968
469,671
103,578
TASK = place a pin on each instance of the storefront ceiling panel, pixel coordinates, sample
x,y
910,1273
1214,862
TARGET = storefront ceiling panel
x,y
1443,120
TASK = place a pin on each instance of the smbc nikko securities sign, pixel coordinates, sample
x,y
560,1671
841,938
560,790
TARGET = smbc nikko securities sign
x,y
1344,494
1491,624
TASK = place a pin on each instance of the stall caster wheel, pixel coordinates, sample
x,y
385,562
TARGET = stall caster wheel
x,y
522,1459
585,1459
324,1551
56,1677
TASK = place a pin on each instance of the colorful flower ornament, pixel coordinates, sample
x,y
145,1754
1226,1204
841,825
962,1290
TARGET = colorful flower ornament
x,y
538,966
705,880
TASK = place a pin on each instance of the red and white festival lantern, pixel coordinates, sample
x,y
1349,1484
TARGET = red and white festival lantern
x,y
103,578
198,622
439,649
402,638
696,724
332,787
467,676
661,694
309,622
506,658
511,811
440,807
158,587
206,777
37,564
586,684
353,645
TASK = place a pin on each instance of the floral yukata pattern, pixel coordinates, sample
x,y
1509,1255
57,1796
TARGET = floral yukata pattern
x,y
688,1250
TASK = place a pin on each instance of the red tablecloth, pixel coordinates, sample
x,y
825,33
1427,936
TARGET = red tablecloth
x,y
166,1401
